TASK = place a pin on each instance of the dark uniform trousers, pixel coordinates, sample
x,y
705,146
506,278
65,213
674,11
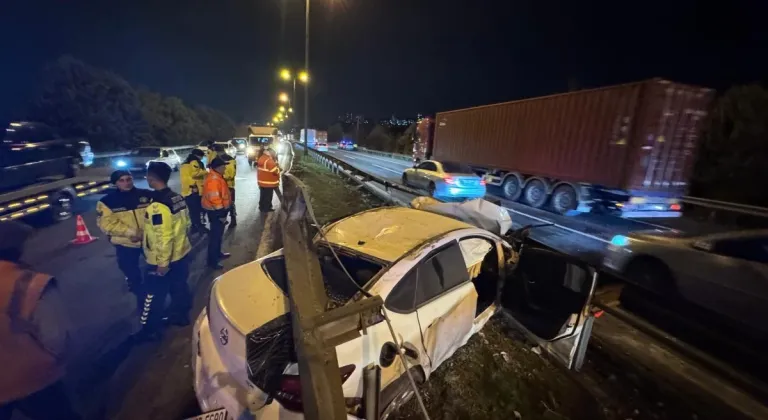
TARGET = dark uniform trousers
x,y
157,288
216,237
128,262
265,198
232,210
195,210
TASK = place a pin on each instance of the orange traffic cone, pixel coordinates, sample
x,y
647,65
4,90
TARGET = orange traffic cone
x,y
82,236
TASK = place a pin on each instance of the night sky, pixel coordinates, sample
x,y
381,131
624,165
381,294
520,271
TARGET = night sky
x,y
379,57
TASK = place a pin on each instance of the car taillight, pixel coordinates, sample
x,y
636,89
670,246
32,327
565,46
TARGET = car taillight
x,y
675,207
482,182
289,391
449,180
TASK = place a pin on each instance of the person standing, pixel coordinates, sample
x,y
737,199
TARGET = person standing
x,y
120,215
230,173
216,201
192,174
34,335
166,247
211,154
268,174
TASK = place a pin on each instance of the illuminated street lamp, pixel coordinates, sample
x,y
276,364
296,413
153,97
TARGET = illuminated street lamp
x,y
275,119
304,77
283,97
285,74
282,108
290,110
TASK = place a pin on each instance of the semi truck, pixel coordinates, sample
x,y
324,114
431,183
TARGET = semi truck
x,y
626,149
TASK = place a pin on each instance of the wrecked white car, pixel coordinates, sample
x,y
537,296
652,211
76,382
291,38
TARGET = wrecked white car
x,y
440,279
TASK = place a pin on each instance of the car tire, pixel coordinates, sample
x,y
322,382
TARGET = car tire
x,y
397,394
405,179
511,188
652,275
431,189
564,199
61,206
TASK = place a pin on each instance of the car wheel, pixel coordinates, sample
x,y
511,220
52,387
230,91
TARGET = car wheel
x,y
653,275
564,199
535,193
511,188
62,204
398,394
405,179
431,189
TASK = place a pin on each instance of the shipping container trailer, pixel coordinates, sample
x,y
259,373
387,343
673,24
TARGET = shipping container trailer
x,y
626,149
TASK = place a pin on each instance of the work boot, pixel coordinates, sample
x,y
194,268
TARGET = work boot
x,y
225,255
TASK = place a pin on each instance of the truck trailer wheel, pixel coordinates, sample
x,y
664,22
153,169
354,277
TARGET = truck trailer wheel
x,y
511,188
62,205
564,199
535,193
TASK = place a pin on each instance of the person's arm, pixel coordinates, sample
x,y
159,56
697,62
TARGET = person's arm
x,y
197,172
110,223
51,322
161,225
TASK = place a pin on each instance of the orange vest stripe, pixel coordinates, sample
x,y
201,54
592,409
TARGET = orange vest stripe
x,y
216,194
268,172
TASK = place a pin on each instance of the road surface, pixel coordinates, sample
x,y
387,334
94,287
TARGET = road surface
x,y
109,377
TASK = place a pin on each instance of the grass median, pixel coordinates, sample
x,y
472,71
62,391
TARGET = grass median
x,y
497,375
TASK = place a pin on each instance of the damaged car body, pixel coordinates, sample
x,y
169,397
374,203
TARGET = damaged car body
x,y
441,280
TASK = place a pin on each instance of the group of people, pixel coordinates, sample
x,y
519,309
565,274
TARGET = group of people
x,y
157,224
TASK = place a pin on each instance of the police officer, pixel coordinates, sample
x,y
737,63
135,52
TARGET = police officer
x,y
216,201
230,173
34,335
192,174
120,215
166,246
211,154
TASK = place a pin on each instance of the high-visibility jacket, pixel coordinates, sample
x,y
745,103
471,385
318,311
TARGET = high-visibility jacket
x,y
192,174
210,155
230,171
215,192
165,229
120,215
268,172
27,366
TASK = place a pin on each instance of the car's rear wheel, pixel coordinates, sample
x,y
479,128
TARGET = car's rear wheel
x,y
653,275
396,395
431,189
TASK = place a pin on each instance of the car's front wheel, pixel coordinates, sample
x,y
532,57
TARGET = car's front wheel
x,y
431,189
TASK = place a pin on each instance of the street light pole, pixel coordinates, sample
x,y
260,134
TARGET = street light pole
x,y
306,85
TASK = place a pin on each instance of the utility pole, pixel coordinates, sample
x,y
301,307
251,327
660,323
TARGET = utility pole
x,y
306,85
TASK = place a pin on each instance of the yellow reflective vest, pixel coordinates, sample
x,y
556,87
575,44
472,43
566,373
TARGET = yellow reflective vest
x,y
120,215
230,171
165,229
192,174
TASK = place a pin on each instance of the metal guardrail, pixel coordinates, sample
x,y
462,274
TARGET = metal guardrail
x,y
102,155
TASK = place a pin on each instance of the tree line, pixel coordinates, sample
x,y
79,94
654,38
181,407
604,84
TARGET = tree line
x,y
84,101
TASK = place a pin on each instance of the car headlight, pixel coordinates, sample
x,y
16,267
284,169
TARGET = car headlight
x,y
121,163
620,241
249,150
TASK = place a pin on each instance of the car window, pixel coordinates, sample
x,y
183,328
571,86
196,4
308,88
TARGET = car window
x,y
164,153
437,274
751,249
456,168
428,166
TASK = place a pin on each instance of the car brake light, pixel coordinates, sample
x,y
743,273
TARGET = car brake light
x,y
675,207
482,182
449,180
289,390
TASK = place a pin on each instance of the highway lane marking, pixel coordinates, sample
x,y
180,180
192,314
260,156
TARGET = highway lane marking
x,y
558,225
386,169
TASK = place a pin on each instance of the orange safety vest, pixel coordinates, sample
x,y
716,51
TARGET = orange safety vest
x,y
268,172
215,192
27,366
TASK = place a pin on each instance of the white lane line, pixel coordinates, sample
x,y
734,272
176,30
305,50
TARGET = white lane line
x,y
386,169
558,225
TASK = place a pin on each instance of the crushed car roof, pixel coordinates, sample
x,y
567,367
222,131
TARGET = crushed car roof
x,y
388,233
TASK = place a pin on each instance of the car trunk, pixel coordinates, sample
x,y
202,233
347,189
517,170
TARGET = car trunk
x,y
465,180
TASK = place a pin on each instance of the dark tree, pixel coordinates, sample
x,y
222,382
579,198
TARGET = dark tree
x,y
335,133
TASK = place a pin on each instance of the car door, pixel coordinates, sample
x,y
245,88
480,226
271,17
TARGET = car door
x,y
548,296
421,173
732,277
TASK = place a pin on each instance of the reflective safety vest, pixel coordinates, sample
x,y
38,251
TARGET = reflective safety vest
x,y
27,366
120,214
230,171
192,174
268,172
215,192
165,229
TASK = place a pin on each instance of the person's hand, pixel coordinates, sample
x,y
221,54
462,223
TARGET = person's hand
x,y
161,271
137,237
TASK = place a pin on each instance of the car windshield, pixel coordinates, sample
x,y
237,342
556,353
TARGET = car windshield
x,y
340,290
259,140
146,152
456,168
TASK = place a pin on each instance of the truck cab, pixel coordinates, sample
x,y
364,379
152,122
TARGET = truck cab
x,y
31,152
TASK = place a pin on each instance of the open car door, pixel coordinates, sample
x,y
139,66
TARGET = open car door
x,y
548,295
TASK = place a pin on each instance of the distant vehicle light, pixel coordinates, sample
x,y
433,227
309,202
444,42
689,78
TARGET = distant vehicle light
x,y
620,240
241,146
249,150
482,182
121,163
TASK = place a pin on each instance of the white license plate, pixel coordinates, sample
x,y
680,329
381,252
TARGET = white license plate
x,y
220,414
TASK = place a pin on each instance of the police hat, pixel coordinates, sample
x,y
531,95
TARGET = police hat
x,y
217,162
117,175
197,152
160,170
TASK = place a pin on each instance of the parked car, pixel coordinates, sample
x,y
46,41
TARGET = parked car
x,y
347,144
86,154
138,159
229,147
31,152
724,272
241,143
446,180
321,146
440,280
